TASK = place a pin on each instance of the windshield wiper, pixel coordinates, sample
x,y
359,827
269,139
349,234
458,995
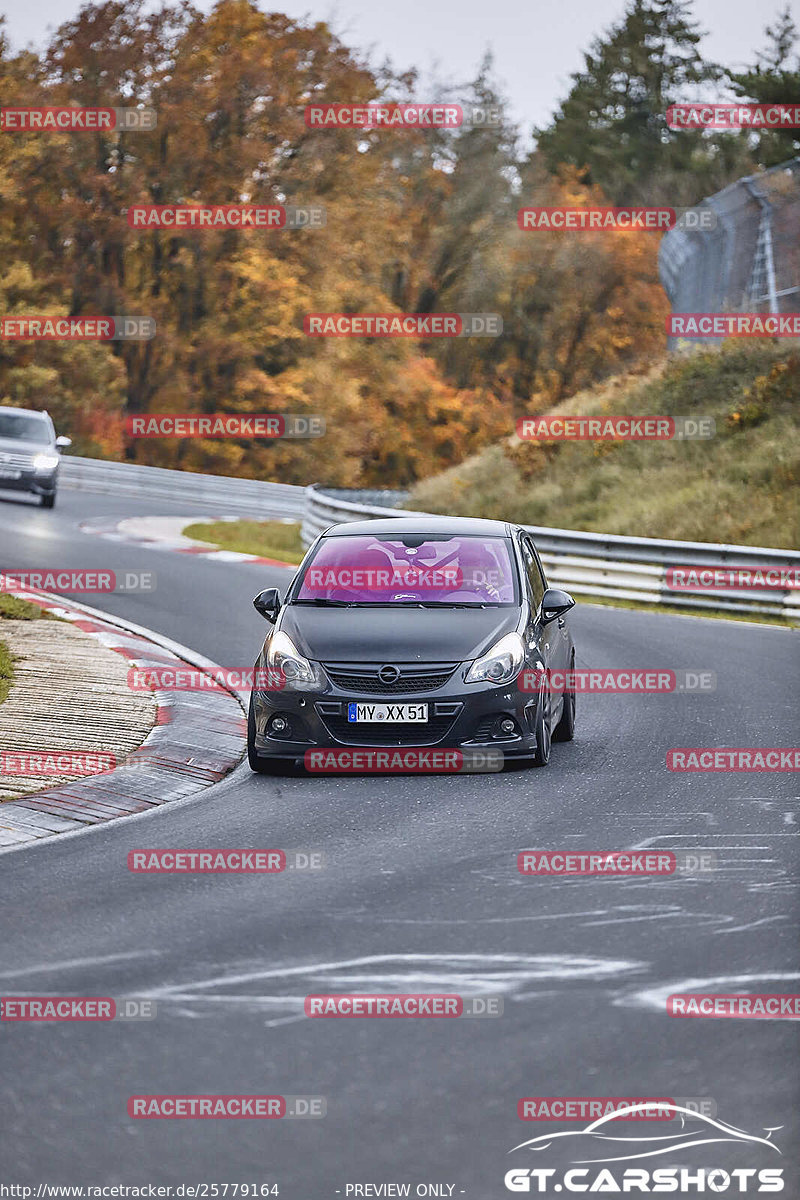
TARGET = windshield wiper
x,y
320,600
446,603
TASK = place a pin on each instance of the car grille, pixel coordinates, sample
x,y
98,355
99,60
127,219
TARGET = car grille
x,y
16,462
413,678
381,734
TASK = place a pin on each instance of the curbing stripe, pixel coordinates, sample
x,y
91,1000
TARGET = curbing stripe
x,y
189,748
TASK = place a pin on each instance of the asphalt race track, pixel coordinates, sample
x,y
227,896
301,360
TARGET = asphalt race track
x,y
420,892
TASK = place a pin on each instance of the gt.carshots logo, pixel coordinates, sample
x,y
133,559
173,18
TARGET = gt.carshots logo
x,y
601,1143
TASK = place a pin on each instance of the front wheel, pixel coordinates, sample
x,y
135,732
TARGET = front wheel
x,y
565,729
262,766
543,737
48,501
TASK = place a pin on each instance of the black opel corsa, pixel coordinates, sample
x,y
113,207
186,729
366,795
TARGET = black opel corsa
x,y
413,632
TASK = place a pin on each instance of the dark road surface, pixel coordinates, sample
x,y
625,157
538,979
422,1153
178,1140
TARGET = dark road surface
x,y
420,892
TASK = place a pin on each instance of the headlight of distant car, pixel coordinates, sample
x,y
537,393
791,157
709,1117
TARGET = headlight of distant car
x,y
299,673
45,462
501,664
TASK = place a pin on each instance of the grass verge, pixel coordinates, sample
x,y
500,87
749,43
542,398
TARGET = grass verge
x,y
269,539
677,610
740,486
6,671
14,609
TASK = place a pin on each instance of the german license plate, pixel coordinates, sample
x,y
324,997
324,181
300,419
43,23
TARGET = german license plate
x,y
389,713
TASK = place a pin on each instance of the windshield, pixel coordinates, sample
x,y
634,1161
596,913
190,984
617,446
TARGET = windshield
x,y
432,571
25,427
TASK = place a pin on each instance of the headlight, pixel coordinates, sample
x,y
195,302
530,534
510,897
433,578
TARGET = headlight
x,y
501,664
45,462
298,672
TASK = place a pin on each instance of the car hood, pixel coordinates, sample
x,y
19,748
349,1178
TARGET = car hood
x,y
21,446
404,635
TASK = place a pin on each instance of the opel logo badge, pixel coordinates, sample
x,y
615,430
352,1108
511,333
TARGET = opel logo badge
x,y
389,674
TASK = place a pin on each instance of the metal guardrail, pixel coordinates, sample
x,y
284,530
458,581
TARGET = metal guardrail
x,y
224,494
591,564
606,565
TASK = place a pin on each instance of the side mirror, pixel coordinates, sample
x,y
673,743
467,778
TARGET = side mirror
x,y
554,604
268,603
63,442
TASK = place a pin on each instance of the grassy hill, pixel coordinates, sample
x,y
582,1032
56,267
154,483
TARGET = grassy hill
x,y
743,485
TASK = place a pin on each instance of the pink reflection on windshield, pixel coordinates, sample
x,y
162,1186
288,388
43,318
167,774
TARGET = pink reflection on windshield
x,y
363,569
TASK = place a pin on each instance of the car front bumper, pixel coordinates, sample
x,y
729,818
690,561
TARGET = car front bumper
x,y
460,716
40,483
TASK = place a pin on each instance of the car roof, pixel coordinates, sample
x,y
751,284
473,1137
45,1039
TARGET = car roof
x,y
27,412
420,525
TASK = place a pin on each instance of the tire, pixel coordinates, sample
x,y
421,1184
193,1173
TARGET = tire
x,y
543,735
565,729
262,766
48,501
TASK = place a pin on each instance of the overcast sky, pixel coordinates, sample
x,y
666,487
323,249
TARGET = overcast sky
x,y
536,45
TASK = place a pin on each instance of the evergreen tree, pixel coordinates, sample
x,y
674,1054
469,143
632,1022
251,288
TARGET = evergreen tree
x,y
613,122
774,79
